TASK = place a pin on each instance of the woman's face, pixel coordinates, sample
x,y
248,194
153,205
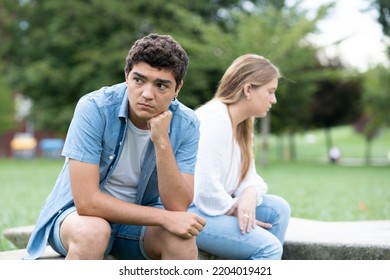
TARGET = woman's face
x,y
262,98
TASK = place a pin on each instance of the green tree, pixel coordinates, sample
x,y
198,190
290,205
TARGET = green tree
x,y
7,108
383,8
280,35
337,101
64,50
376,102
57,51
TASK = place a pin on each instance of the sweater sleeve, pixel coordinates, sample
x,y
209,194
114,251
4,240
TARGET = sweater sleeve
x,y
253,179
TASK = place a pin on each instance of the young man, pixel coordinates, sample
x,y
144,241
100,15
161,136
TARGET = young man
x,y
128,177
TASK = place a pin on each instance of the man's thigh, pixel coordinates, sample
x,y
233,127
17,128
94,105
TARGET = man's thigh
x,y
126,241
55,236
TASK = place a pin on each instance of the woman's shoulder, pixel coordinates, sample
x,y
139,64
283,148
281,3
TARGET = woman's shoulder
x,y
213,108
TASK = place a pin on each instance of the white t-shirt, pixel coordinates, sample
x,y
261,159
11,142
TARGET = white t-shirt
x,y
124,180
218,166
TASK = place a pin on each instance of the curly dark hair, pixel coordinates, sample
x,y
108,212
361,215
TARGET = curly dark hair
x,y
159,51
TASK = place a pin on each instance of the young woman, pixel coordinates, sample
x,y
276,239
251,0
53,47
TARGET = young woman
x,y
243,222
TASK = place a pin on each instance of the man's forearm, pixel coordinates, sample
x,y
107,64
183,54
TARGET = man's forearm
x,y
176,192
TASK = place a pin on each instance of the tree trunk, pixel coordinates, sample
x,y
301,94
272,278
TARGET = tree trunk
x,y
264,138
328,142
280,149
368,150
292,146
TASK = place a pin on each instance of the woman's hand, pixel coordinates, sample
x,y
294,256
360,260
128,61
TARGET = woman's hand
x,y
245,210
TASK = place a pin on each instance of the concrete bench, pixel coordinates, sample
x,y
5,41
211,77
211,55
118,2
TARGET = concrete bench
x,y
305,240
318,240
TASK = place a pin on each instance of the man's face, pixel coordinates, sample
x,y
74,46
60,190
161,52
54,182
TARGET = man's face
x,y
150,91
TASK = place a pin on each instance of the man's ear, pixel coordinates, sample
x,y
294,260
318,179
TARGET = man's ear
x,y
179,88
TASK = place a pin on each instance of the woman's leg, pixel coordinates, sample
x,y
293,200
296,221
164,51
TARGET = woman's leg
x,y
222,237
276,211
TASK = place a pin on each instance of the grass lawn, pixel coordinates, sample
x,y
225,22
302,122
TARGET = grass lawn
x,y
331,192
310,146
314,188
25,185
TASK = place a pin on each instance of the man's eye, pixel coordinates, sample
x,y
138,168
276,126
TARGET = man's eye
x,y
138,80
162,86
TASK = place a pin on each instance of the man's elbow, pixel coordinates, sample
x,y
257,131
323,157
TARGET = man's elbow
x,y
177,205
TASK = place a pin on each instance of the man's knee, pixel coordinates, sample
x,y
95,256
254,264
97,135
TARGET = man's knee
x,y
179,248
161,244
85,233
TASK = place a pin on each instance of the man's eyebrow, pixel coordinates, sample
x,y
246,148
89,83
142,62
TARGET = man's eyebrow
x,y
139,75
162,81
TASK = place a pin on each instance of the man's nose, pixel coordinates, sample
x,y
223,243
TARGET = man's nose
x,y
148,92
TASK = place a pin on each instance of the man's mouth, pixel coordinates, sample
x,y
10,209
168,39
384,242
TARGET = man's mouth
x,y
145,105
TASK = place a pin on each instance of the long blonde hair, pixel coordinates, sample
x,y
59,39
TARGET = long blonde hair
x,y
247,69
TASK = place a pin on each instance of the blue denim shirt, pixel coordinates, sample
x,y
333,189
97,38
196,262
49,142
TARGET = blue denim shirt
x,y
95,136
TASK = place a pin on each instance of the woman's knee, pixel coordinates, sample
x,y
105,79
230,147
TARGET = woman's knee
x,y
285,207
280,205
271,251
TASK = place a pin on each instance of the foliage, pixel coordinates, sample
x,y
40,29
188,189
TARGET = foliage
x,y
377,94
7,31
7,109
57,51
383,7
278,34
337,100
376,100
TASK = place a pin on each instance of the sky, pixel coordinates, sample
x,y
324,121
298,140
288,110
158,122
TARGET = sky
x,y
363,45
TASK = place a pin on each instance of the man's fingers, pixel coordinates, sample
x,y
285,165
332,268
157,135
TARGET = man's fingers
x,y
200,224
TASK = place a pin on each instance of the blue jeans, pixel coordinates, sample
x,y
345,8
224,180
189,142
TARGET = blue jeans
x,y
222,237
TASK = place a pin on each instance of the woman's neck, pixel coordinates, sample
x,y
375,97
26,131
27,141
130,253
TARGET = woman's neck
x,y
237,114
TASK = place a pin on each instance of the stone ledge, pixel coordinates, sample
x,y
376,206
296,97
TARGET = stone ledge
x,y
334,251
19,235
357,240
305,240
50,254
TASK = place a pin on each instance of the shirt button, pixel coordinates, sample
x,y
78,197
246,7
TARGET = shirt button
x,y
111,157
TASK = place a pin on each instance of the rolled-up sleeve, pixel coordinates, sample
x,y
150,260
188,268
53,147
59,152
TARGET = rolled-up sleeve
x,y
253,179
84,138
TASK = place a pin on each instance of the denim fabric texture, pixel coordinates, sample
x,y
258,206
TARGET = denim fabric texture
x,y
222,237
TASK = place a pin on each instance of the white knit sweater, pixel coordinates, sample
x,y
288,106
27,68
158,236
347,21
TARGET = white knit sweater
x,y
217,170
